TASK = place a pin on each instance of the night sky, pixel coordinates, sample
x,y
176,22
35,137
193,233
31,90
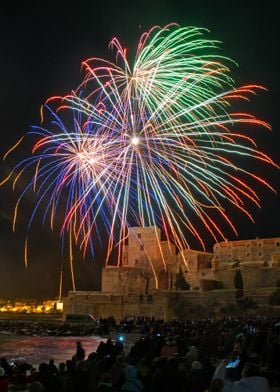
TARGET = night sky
x,y
42,46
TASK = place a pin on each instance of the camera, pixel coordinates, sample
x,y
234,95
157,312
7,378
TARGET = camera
x,y
233,363
120,338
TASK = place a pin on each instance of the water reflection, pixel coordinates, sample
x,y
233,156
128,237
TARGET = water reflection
x,y
37,349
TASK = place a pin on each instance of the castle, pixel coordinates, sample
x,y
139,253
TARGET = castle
x,y
150,265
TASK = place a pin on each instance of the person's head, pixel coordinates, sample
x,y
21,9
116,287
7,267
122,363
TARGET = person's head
x,y
130,372
70,365
196,365
62,366
237,347
193,349
43,368
92,356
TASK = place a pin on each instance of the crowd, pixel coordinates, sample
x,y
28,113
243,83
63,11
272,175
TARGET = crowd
x,y
229,355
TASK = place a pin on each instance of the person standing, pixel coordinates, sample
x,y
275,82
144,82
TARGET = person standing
x,y
80,352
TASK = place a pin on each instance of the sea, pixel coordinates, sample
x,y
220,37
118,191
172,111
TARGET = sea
x,y
38,349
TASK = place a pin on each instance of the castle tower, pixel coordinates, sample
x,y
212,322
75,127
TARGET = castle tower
x,y
143,257
143,247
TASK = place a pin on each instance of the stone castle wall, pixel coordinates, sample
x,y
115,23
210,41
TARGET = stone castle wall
x,y
143,246
193,260
124,280
118,306
253,277
146,250
259,249
132,280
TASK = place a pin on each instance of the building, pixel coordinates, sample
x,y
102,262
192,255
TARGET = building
x,y
258,250
258,259
146,278
148,263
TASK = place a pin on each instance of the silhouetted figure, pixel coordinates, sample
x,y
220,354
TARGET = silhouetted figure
x,y
80,352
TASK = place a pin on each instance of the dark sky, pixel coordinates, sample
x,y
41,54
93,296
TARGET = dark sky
x,y
42,46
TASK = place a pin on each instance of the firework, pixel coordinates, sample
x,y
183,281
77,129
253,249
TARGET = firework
x,y
154,143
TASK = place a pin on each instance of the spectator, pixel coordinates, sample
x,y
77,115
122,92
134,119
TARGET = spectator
x,y
169,349
3,381
117,372
195,381
250,381
131,384
192,355
105,384
80,352
60,378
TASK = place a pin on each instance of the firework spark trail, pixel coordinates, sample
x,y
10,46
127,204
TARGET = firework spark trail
x,y
186,145
70,175
153,144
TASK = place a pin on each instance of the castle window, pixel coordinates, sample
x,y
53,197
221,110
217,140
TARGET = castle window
x,y
248,254
248,245
139,235
260,254
259,244
136,261
141,247
230,256
277,243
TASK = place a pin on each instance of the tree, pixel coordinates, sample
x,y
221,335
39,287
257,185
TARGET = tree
x,y
146,275
181,283
238,283
238,279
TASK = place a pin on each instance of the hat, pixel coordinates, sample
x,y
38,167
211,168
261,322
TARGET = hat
x,y
2,372
196,365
